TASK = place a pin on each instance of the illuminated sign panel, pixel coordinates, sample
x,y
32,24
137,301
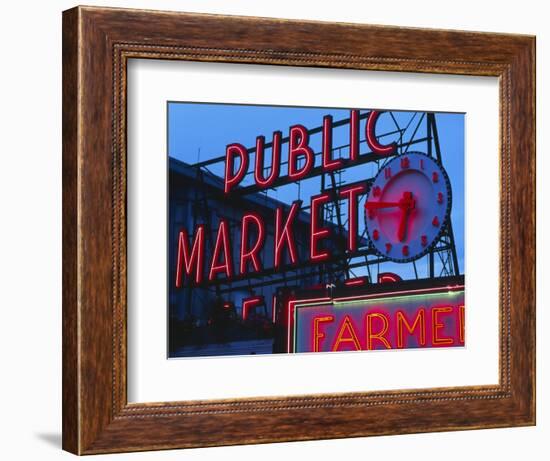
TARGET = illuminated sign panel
x,y
432,317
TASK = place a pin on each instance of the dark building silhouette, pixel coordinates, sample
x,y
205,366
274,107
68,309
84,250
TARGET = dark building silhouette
x,y
197,312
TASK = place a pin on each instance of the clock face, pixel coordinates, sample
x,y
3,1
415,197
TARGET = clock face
x,y
407,206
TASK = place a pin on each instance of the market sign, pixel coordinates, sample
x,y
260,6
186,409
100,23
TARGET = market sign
x,y
413,318
201,261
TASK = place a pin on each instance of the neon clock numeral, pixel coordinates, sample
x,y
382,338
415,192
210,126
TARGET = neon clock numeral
x,y
435,221
440,197
388,247
435,176
376,192
405,250
424,240
375,234
387,173
405,163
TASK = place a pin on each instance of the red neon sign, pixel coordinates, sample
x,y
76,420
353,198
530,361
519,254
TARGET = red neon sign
x,y
190,260
299,151
428,317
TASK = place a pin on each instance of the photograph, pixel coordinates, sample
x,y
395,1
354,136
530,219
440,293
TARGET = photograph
x,y
313,229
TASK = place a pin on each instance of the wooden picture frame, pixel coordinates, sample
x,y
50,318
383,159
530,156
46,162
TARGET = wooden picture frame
x,y
97,43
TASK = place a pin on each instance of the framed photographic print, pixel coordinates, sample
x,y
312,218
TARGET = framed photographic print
x,y
280,230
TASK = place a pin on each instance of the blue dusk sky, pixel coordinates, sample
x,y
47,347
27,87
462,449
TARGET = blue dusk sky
x,y
201,131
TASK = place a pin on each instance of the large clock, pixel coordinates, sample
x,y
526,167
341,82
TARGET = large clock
x,y
407,206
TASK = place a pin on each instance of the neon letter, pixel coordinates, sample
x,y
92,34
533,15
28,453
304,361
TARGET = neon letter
x,y
249,303
222,243
352,192
275,160
318,233
252,253
298,145
231,151
274,308
419,320
346,326
283,233
354,135
388,277
373,143
329,164
437,325
185,260
380,335
319,335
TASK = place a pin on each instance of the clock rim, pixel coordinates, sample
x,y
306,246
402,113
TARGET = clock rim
x,y
446,217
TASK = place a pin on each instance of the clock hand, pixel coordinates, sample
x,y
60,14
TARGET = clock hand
x,y
405,204
375,205
402,225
